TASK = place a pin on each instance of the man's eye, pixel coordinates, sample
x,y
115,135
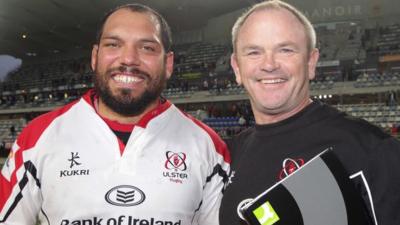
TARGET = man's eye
x,y
112,45
149,48
253,53
287,50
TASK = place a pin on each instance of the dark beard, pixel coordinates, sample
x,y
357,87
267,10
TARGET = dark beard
x,y
124,104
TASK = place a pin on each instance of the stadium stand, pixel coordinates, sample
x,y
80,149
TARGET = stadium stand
x,y
376,79
379,114
388,40
345,70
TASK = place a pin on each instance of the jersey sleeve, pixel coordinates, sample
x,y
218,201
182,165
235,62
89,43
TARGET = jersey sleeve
x,y
214,187
384,180
20,187
20,197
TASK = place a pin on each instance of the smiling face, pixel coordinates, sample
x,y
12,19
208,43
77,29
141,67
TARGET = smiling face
x,y
274,65
130,63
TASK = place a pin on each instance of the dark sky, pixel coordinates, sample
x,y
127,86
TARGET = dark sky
x,y
8,64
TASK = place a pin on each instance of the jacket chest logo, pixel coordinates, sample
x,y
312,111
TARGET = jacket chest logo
x,y
289,166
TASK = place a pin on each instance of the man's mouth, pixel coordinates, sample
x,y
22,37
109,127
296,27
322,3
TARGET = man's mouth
x,y
128,75
126,79
272,81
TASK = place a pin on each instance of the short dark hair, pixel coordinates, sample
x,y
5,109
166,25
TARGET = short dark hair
x,y
165,30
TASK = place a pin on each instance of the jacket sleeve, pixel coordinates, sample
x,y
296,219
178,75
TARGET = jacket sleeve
x,y
383,177
19,189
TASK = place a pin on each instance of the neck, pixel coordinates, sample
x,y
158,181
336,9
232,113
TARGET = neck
x,y
104,111
265,118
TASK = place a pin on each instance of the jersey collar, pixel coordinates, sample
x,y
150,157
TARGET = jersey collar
x,y
162,106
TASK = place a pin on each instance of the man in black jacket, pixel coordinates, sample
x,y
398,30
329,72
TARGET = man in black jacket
x,y
274,58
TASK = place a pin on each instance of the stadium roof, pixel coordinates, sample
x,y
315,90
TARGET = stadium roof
x,y
53,26
57,26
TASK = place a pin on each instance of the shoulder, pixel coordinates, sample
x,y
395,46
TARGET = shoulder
x,y
358,127
356,138
237,142
197,125
353,126
34,130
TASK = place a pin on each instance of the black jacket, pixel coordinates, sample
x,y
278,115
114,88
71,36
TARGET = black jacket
x,y
371,157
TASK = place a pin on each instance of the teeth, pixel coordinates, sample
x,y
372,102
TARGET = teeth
x,y
272,81
126,79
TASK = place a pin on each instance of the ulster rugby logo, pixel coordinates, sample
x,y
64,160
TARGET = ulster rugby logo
x,y
175,161
125,195
289,166
176,166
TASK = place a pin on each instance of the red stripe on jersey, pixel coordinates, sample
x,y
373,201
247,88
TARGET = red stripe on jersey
x,y
35,128
4,191
26,140
153,113
219,144
121,146
19,161
88,96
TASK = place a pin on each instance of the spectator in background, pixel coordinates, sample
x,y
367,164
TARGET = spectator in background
x,y
12,131
205,84
119,152
392,99
242,120
274,58
201,114
3,152
394,130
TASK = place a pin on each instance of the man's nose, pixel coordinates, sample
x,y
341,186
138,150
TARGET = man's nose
x,y
269,62
130,56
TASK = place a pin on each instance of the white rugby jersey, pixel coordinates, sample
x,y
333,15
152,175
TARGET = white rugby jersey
x,y
67,169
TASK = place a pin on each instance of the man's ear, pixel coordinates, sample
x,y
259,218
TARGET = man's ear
x,y
169,64
93,61
235,67
312,63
